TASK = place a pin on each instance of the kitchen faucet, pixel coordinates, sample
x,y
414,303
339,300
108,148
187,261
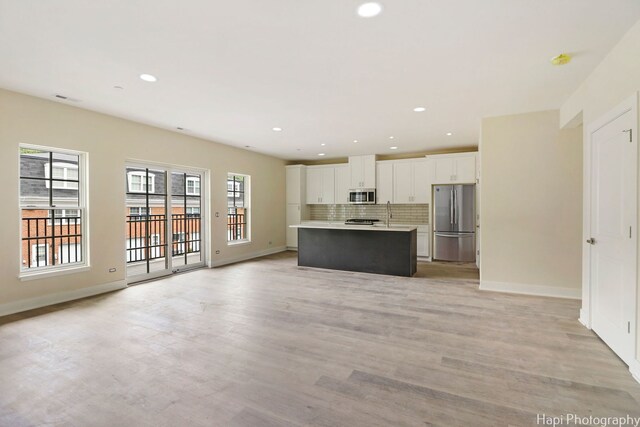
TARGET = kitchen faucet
x,y
389,216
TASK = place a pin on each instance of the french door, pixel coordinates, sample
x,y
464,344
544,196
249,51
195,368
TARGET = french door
x,y
164,227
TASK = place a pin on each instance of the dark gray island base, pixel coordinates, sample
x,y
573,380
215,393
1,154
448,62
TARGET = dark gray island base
x,y
368,250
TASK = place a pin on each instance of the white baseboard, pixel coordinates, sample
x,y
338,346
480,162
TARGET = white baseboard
x,y
250,255
634,368
584,319
292,248
527,289
57,298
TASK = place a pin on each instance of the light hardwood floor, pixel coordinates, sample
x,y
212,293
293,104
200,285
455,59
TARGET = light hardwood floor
x,y
265,343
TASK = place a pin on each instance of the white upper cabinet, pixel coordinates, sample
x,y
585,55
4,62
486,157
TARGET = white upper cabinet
x,y
320,185
421,182
459,168
296,184
384,182
411,181
342,181
363,171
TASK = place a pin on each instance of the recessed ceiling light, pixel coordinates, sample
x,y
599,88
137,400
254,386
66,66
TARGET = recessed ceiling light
x,y
449,134
393,148
419,109
321,154
180,128
355,140
391,137
277,129
118,87
369,10
323,144
148,78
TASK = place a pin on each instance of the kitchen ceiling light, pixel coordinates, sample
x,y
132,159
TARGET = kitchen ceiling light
x,y
148,78
321,154
391,137
277,129
323,144
355,141
393,148
369,10
419,109
449,134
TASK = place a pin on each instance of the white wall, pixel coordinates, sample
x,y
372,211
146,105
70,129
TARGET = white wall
x,y
531,210
110,142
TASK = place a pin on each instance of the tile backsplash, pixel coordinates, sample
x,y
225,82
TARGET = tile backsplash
x,y
402,214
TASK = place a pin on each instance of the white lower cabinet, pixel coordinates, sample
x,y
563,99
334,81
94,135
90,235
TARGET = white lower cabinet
x,y
293,218
423,244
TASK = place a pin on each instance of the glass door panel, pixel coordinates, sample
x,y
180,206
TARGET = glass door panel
x,y
146,220
186,224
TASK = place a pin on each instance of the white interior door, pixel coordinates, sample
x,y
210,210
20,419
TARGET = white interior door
x,y
613,233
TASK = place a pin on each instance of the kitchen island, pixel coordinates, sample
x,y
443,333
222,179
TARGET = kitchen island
x,y
364,248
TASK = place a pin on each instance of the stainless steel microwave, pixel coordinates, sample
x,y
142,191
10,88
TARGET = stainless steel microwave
x,y
362,196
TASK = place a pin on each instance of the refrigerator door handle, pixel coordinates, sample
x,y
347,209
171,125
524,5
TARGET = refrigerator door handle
x,y
455,205
451,207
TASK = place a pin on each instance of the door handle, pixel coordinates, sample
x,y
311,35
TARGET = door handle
x,y
451,207
591,241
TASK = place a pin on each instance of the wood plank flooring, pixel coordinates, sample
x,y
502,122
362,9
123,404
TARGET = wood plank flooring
x,y
265,343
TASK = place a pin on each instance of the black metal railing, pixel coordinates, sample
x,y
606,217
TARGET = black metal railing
x,y
145,237
186,234
48,240
236,226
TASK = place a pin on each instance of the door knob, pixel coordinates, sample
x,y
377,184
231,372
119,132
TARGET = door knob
x,y
591,241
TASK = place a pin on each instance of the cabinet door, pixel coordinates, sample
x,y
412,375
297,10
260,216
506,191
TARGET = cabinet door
x,y
444,173
465,169
314,185
293,218
342,178
421,182
369,171
356,171
293,185
384,187
402,183
327,196
423,244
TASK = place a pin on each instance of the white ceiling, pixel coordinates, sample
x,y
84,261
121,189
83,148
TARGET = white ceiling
x,y
230,71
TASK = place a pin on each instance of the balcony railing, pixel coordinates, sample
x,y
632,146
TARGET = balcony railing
x,y
46,242
236,227
146,236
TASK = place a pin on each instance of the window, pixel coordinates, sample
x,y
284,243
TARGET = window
x,y
193,212
53,207
193,186
138,211
238,207
138,182
39,254
65,175
64,216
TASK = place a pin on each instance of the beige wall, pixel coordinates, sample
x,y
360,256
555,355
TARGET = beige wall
x,y
531,210
110,142
615,79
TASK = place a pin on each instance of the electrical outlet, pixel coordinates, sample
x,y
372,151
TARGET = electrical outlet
x,y
112,270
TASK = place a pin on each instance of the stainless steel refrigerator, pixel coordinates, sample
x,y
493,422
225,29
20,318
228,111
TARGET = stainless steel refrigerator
x,y
454,225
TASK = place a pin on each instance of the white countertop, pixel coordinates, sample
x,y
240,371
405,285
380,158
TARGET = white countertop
x,y
422,228
342,226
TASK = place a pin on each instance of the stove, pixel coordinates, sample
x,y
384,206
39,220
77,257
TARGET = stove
x,y
360,221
